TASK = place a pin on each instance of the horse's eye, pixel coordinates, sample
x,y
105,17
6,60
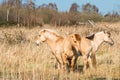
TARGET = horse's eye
x,y
39,35
75,41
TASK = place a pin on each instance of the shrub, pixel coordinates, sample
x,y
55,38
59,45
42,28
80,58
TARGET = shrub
x,y
16,38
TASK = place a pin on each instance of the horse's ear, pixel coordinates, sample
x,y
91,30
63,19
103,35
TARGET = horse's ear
x,y
44,30
106,32
78,37
72,36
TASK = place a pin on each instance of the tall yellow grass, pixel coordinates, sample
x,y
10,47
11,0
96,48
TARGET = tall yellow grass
x,y
21,59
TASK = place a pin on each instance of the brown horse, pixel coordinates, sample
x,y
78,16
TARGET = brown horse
x,y
62,48
89,45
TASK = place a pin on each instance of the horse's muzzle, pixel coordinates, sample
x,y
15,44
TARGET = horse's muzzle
x,y
111,43
37,43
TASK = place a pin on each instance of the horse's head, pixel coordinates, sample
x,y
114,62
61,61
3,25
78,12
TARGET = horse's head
x,y
107,37
41,37
75,40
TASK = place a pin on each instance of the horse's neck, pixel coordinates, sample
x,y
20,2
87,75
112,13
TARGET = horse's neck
x,y
97,41
50,43
51,40
51,37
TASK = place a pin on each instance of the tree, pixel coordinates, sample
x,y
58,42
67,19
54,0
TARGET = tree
x,y
9,5
18,7
95,9
89,8
29,13
74,7
3,10
52,6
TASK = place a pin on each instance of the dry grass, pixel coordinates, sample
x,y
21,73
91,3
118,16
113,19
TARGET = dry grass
x,y
21,59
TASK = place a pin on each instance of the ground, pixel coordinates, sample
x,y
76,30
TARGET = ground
x,y
20,58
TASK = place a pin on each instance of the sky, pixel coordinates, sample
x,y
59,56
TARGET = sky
x,y
104,6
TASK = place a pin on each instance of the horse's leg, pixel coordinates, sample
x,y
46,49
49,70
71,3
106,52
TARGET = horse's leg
x,y
65,62
58,65
60,62
73,63
65,55
84,63
94,60
90,60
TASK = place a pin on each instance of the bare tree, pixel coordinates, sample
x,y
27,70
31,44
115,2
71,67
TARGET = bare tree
x,y
9,5
29,13
18,7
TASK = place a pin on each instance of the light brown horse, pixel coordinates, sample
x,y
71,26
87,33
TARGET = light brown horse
x,y
89,45
71,48
62,48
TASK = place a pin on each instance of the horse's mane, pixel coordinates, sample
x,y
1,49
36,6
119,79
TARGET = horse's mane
x,y
91,37
51,31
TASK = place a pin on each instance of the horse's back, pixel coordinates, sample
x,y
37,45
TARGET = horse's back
x,y
86,45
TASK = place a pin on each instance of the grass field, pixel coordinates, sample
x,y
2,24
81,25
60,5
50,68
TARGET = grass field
x,y
21,59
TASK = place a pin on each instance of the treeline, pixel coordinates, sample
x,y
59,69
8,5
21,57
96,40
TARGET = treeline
x,y
15,12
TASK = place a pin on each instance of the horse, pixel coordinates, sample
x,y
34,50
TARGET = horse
x,y
90,44
62,48
71,50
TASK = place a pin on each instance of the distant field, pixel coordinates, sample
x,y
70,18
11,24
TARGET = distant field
x,y
21,59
